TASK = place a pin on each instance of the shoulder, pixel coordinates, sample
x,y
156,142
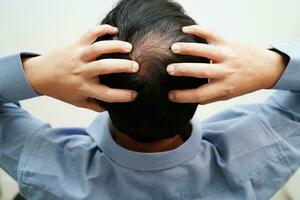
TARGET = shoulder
x,y
238,121
244,142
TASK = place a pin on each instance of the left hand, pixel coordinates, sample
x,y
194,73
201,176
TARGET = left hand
x,y
237,69
71,74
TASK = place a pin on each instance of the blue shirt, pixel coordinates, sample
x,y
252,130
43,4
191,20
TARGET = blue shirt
x,y
247,152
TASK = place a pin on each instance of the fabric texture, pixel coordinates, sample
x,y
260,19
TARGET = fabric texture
x,y
247,152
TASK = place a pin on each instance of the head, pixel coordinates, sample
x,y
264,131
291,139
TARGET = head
x,y
151,26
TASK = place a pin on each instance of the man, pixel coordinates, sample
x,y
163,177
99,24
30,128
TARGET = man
x,y
247,152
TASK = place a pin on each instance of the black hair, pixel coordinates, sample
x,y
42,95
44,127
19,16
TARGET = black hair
x,y
151,26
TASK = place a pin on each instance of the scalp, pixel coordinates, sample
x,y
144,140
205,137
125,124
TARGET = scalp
x,y
151,26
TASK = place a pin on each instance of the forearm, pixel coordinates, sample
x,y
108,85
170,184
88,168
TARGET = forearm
x,y
289,80
282,109
15,123
70,74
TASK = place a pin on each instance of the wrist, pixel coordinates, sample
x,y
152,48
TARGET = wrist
x,y
31,68
278,64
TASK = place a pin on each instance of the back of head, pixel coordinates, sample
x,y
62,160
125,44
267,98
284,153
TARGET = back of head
x,y
151,26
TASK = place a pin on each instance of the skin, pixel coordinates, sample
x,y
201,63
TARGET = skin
x,y
70,74
160,146
237,69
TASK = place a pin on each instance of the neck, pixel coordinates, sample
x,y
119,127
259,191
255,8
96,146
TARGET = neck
x,y
160,146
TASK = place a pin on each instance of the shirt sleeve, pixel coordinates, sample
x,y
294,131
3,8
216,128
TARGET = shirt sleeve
x,y
13,83
280,115
259,144
16,125
290,80
282,109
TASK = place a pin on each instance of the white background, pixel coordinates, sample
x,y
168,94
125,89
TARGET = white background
x,y
41,26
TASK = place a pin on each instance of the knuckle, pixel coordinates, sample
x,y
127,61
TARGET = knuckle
x,y
212,33
213,52
94,48
228,92
101,67
230,53
82,54
82,88
228,72
79,88
179,70
205,73
209,32
93,31
109,96
199,96
100,63
77,71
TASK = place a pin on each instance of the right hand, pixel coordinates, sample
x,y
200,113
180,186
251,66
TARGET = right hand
x,y
71,74
237,69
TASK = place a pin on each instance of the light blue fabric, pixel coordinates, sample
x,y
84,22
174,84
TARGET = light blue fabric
x,y
247,152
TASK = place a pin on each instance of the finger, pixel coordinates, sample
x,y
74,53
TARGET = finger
x,y
91,104
205,94
109,95
90,36
201,50
205,33
105,47
184,96
109,66
197,70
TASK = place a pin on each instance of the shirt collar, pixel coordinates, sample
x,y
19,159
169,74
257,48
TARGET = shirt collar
x,y
99,131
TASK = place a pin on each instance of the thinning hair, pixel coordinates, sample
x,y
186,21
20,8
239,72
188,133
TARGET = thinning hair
x,y
151,26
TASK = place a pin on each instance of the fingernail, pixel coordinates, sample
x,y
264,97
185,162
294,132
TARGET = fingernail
x,y
172,96
128,46
114,31
176,48
185,29
134,95
135,67
171,69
